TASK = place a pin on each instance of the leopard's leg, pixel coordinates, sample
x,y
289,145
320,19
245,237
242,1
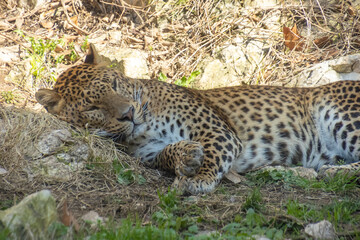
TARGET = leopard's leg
x,y
199,163
336,112
221,148
332,170
184,158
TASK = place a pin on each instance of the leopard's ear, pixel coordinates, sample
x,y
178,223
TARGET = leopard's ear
x,y
51,100
93,56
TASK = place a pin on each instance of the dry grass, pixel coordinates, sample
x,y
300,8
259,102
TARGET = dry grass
x,y
93,188
189,32
196,29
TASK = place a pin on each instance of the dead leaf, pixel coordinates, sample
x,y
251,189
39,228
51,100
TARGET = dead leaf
x,y
233,177
293,40
74,19
67,218
46,24
58,48
19,22
351,11
322,42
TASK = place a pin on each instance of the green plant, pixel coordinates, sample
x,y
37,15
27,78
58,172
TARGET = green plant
x,y
125,175
252,224
43,57
130,230
186,81
253,200
84,46
162,77
8,96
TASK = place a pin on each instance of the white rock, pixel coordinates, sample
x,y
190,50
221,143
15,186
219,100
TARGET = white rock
x,y
92,217
131,62
49,143
31,217
2,171
321,230
343,68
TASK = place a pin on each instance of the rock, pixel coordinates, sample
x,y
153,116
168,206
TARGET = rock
x,y
114,36
30,4
62,158
31,217
343,68
260,237
49,143
233,62
93,218
9,54
53,168
308,173
321,230
131,62
2,171
21,74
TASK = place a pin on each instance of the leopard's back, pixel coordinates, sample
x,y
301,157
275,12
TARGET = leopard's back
x,y
292,126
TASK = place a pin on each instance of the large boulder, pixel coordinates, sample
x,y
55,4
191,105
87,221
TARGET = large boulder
x,y
31,217
343,68
131,62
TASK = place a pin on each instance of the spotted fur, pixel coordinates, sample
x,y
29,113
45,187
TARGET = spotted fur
x,y
201,134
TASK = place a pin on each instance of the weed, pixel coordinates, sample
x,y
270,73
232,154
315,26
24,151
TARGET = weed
x,y
270,176
253,200
125,175
186,81
168,216
8,96
43,59
302,211
340,183
252,224
5,204
341,211
162,77
4,232
84,46
134,231
336,212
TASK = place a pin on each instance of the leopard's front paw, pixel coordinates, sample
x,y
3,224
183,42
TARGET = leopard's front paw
x,y
191,159
185,185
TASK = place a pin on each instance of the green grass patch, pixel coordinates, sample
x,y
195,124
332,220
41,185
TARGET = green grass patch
x,y
340,183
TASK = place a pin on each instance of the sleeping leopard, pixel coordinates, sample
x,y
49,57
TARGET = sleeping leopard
x,y
200,135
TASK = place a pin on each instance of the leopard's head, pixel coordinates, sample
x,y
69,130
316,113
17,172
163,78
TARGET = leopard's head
x,y
98,97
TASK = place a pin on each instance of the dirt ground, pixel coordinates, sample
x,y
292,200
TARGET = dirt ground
x,y
97,189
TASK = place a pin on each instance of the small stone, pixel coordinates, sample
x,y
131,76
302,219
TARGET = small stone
x,y
342,65
92,217
356,66
2,171
321,230
115,36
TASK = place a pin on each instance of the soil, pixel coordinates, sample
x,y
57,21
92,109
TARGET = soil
x,y
98,190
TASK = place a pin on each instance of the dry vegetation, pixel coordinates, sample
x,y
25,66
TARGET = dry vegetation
x,y
177,37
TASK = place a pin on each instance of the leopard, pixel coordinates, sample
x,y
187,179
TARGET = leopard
x,y
201,135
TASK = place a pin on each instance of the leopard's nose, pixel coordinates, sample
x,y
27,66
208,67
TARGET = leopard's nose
x,y
128,116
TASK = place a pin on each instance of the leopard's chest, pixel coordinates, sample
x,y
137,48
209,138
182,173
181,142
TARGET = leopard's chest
x,y
153,137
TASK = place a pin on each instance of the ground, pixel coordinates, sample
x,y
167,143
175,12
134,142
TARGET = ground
x,y
276,204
